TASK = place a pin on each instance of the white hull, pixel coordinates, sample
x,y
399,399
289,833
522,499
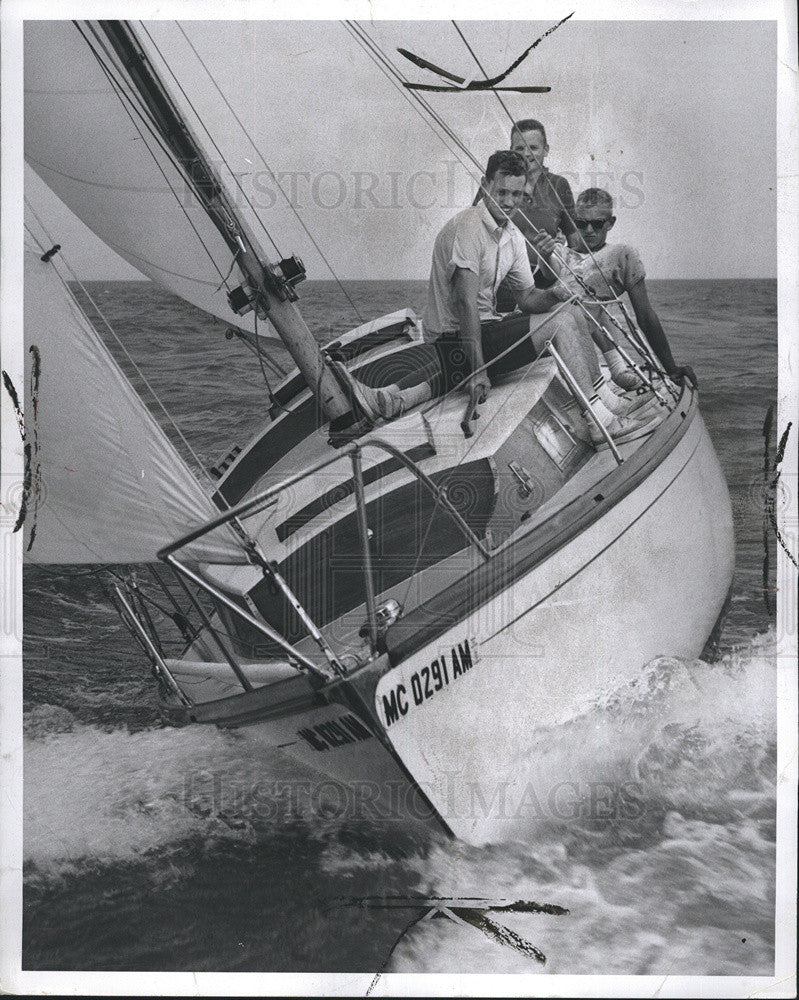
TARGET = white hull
x,y
399,611
647,578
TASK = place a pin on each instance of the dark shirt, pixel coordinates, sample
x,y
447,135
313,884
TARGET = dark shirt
x,y
551,208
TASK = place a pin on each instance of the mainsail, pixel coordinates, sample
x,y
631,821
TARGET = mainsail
x,y
107,484
104,132
92,140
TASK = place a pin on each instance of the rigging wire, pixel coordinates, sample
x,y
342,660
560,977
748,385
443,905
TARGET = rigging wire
x,y
119,90
549,180
446,479
380,58
98,574
512,120
272,398
380,54
447,131
392,75
374,46
224,281
389,69
146,116
208,133
236,524
272,176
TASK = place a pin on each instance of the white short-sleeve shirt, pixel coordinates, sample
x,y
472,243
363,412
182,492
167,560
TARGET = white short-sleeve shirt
x,y
609,272
474,241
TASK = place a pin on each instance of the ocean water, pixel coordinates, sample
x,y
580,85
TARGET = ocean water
x,y
149,848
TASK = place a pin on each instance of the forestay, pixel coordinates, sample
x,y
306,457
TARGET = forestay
x,y
107,484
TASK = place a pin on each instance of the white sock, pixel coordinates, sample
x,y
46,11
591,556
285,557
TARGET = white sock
x,y
394,402
609,397
604,415
417,394
622,374
614,361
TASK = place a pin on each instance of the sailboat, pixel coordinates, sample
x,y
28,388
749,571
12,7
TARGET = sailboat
x,y
403,608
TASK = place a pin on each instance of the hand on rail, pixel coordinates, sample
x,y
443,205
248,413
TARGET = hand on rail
x,y
681,372
478,393
479,386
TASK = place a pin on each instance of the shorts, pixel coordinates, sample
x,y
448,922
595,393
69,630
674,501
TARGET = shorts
x,y
496,336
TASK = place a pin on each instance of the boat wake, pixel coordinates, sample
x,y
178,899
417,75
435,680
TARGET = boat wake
x,y
104,797
659,837
675,736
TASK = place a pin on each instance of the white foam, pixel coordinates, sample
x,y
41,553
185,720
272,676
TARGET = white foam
x,y
116,795
688,887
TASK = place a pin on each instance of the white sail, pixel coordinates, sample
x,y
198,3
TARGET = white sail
x,y
107,484
95,151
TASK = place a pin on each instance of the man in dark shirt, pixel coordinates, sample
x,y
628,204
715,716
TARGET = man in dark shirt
x,y
473,252
547,204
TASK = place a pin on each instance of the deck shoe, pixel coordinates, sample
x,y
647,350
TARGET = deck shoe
x,y
622,429
375,403
645,405
650,410
627,379
633,395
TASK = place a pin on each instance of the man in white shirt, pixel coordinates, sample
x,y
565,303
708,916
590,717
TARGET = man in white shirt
x,y
472,255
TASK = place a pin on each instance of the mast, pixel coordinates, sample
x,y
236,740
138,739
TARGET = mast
x,y
267,288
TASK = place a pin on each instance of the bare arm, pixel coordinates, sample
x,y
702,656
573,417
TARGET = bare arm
x,y
542,248
466,285
531,298
647,319
537,300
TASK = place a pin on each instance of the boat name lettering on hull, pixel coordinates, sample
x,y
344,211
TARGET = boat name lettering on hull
x,y
425,683
336,733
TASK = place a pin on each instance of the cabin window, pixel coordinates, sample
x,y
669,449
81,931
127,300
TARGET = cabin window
x,y
409,532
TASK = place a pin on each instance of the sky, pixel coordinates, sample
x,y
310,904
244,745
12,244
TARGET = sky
x,y
676,119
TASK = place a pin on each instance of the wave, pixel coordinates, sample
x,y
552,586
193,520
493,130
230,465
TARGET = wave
x,y
674,876
102,797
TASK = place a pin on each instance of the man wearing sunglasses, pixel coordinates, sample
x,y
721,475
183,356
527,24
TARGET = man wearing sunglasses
x,y
472,254
610,270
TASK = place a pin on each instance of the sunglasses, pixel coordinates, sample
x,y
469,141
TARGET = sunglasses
x,y
594,224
